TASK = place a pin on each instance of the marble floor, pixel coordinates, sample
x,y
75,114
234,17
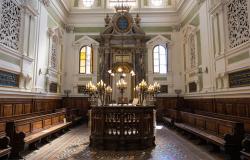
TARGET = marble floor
x,y
170,145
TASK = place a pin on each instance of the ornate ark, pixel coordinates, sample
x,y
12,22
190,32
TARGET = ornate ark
x,y
122,44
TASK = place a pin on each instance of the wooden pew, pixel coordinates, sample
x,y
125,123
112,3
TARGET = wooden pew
x,y
74,115
171,116
28,132
223,133
4,142
244,120
245,152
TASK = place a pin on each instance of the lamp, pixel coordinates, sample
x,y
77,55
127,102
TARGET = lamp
x,y
120,68
121,85
110,71
178,92
132,73
108,91
67,92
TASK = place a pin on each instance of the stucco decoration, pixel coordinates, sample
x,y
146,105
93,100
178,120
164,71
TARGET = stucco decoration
x,y
238,24
192,51
46,3
10,23
54,54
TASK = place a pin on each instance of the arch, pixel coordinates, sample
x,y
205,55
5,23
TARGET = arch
x,y
126,67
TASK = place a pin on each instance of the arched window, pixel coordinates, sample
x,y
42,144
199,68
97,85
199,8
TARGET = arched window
x,y
157,3
88,3
86,60
113,3
160,59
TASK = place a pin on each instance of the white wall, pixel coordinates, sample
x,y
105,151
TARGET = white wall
x,y
216,55
33,54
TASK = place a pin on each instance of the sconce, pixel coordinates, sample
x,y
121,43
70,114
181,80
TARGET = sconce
x,y
41,73
178,92
201,71
67,92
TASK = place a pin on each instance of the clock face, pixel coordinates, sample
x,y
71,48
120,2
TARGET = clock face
x,y
122,23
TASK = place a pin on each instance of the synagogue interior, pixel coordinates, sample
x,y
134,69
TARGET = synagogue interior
x,y
125,79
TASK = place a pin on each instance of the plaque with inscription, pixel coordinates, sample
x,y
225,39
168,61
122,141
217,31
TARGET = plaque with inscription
x,y
192,87
53,87
8,79
239,79
82,89
122,58
164,89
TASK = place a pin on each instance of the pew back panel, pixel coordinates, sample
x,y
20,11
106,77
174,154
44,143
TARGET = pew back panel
x,y
30,130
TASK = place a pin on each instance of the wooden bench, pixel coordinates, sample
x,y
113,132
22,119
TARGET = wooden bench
x,y
245,152
223,133
74,115
244,120
171,116
28,132
4,142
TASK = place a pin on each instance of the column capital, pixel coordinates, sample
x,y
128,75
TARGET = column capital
x,y
69,28
50,32
46,3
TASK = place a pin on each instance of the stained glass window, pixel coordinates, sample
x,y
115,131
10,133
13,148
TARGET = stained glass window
x,y
160,59
86,60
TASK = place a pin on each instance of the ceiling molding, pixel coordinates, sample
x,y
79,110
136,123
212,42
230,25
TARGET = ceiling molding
x,y
60,10
150,16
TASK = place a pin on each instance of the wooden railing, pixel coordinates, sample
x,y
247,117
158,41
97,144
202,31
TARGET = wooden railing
x,y
122,126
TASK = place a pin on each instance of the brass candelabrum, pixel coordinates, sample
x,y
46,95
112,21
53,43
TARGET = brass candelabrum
x,y
98,91
108,92
153,90
144,90
121,85
92,92
141,88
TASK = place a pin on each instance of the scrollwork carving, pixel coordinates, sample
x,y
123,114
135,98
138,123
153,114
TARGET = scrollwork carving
x,y
238,24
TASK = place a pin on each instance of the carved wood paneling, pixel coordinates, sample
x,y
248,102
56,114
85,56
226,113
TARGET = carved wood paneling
x,y
2,127
134,124
17,107
79,103
37,125
7,110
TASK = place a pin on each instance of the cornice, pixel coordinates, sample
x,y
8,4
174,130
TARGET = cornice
x,y
108,10
180,5
65,5
60,10
183,13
